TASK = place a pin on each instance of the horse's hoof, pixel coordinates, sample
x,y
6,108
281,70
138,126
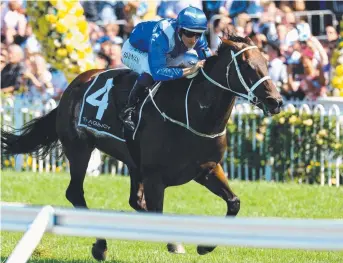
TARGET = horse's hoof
x,y
203,250
99,250
176,248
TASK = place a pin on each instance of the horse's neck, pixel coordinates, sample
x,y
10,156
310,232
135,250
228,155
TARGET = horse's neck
x,y
209,107
206,106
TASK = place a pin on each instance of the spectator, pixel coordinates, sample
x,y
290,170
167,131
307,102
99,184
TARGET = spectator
x,y
112,31
271,15
249,28
331,33
96,32
170,9
212,8
105,45
12,72
295,73
292,33
255,7
281,30
107,11
219,27
299,5
236,7
115,56
91,10
127,29
276,67
242,19
39,79
14,22
308,40
3,57
151,11
102,61
285,6
135,10
332,38
313,80
59,82
31,44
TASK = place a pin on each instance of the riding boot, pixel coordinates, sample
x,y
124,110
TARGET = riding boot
x,y
126,115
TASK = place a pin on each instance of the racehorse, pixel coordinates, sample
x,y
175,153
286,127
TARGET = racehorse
x,y
181,132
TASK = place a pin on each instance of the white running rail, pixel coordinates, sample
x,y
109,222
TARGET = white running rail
x,y
316,234
41,223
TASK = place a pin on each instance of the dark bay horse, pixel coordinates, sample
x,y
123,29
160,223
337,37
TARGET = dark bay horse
x,y
181,134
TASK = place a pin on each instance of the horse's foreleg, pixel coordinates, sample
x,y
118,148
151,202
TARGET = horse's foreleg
x,y
154,197
217,183
153,192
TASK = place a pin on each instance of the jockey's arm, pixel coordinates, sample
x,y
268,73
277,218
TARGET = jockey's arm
x,y
158,61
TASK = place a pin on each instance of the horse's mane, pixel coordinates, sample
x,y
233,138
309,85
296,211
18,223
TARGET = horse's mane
x,y
231,37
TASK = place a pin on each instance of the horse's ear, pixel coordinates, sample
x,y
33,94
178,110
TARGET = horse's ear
x,y
249,41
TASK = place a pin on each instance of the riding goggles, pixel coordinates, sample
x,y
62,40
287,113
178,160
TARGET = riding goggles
x,y
190,34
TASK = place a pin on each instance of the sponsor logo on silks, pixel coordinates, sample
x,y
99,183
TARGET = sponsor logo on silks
x,y
95,123
131,57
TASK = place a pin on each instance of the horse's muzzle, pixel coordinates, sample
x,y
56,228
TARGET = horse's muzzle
x,y
272,106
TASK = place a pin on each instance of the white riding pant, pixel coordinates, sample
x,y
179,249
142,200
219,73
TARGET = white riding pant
x,y
135,59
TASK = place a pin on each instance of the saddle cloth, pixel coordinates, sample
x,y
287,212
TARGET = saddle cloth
x,y
99,110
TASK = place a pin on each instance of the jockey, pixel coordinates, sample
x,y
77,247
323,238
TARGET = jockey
x,y
153,43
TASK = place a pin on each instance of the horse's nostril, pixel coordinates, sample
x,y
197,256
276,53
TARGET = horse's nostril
x,y
273,103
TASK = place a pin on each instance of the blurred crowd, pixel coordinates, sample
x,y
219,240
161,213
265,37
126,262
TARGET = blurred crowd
x,y
299,63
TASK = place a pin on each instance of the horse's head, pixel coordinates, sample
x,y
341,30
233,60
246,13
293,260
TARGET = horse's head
x,y
247,74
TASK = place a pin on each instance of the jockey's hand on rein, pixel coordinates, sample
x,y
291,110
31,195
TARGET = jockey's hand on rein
x,y
197,66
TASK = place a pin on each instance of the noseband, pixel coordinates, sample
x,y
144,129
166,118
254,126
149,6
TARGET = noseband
x,y
251,97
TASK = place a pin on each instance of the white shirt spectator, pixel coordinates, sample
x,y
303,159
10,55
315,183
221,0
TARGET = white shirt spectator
x,y
13,18
291,37
277,71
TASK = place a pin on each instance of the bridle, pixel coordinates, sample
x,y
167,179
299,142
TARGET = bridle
x,y
251,97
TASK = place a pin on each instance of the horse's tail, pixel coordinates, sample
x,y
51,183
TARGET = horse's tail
x,y
39,133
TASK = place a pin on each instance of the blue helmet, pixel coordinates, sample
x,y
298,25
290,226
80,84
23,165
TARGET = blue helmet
x,y
192,19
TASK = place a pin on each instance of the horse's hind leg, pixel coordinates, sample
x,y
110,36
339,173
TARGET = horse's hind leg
x,y
78,153
217,183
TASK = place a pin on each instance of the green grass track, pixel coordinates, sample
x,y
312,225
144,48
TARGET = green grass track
x,y
258,199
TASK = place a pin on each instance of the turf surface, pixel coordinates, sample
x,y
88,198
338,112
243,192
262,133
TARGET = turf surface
x,y
257,199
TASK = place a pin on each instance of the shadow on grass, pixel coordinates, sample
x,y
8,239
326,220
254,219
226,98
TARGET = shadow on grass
x,y
49,260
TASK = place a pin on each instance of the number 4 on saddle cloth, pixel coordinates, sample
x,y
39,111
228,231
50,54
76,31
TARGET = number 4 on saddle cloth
x,y
107,94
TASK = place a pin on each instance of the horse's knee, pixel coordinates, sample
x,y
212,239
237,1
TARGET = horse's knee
x,y
233,206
